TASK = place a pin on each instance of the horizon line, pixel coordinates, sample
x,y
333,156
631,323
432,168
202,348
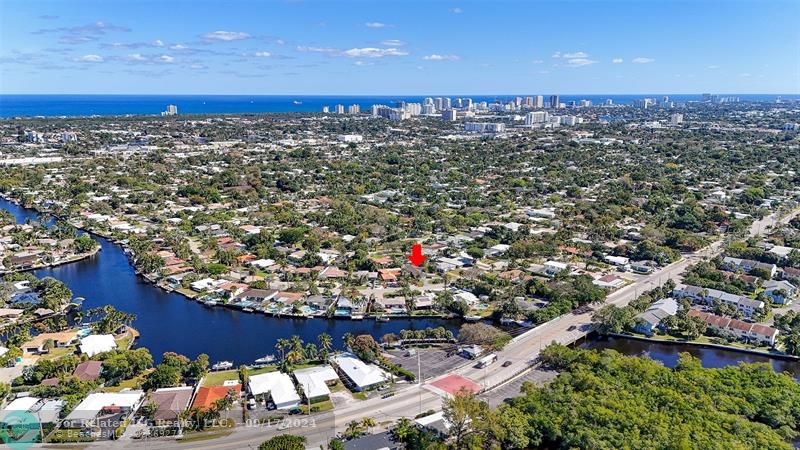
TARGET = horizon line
x,y
409,95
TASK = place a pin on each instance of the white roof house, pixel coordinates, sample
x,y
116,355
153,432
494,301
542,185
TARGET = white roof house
x,y
278,385
97,343
362,376
314,380
86,412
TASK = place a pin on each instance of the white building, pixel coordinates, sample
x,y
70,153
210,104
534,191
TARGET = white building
x,y
97,343
339,109
359,375
676,119
536,117
85,414
315,381
482,127
278,385
350,138
353,109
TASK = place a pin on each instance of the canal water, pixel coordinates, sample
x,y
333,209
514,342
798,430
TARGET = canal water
x,y
168,322
709,356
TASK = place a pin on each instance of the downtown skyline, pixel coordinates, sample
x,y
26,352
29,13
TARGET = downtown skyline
x,y
393,48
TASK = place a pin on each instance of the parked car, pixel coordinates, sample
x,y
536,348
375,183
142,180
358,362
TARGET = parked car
x,y
507,363
295,411
251,403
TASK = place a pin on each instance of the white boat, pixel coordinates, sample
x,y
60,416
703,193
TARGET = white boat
x,y
210,303
297,102
357,317
472,318
382,318
247,309
222,365
266,359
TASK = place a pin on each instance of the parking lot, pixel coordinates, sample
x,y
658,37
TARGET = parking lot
x,y
537,376
434,362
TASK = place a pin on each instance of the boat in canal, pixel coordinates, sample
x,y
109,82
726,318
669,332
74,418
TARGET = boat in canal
x,y
222,365
266,359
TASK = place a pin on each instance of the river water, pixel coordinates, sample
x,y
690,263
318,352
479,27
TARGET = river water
x,y
709,356
169,322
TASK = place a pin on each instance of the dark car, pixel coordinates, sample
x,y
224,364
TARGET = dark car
x,y
295,411
507,363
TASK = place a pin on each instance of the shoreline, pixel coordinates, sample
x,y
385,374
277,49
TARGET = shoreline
x,y
781,356
155,283
71,259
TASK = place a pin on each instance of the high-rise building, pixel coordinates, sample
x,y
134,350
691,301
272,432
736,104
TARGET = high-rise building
x,y
339,109
325,109
539,102
69,136
437,102
676,119
536,117
427,101
414,109
586,103
467,102
446,103
171,111
480,127
428,109
554,101
449,115
353,109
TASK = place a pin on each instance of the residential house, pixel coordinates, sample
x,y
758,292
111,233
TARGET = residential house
x,y
315,382
748,265
207,395
781,292
652,317
751,332
170,403
746,305
276,385
96,344
357,374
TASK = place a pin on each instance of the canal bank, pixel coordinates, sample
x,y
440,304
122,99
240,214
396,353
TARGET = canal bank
x,y
170,322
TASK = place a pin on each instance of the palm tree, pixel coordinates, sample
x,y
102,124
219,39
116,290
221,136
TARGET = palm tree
x,y
403,429
281,345
368,423
296,344
325,345
311,351
348,339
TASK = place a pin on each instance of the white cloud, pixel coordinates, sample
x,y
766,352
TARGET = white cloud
x,y
557,55
437,57
579,62
158,43
363,63
197,66
617,61
303,48
456,10
179,47
263,54
375,24
226,36
642,60
372,52
166,59
136,57
393,43
91,58
537,61
575,55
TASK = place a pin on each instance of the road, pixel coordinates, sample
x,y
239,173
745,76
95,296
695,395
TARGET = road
x,y
412,400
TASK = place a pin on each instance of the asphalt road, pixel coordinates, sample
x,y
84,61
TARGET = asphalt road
x,y
412,400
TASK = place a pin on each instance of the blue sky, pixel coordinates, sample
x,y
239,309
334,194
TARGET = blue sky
x,y
399,47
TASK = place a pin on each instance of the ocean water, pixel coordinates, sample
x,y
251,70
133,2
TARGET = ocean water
x,y
105,105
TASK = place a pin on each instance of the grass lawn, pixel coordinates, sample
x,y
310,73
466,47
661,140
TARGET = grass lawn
x,y
359,396
217,378
205,437
338,387
133,383
264,369
325,405
59,352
